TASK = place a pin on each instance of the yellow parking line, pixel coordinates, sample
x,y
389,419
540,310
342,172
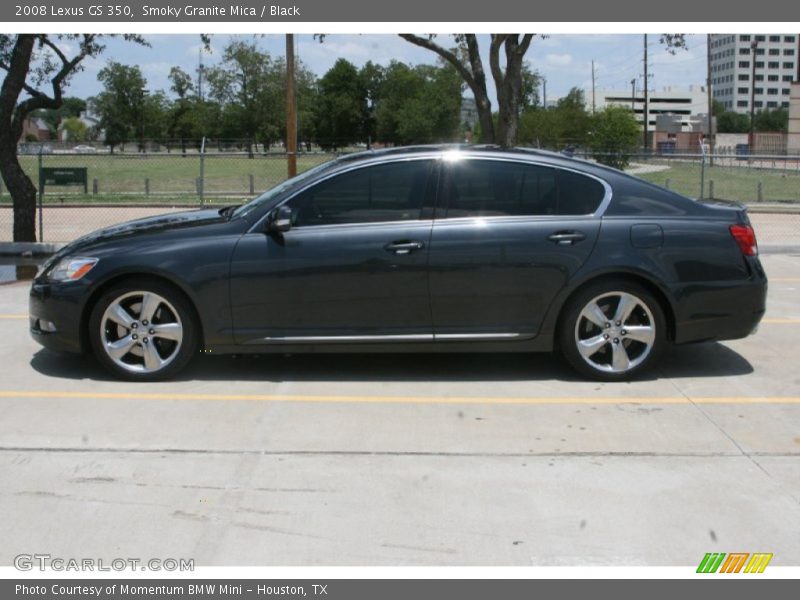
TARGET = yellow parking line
x,y
781,321
399,399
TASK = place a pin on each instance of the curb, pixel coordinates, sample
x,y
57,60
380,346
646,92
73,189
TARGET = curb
x,y
772,209
778,249
26,249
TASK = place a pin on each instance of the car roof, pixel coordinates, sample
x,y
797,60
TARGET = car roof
x,y
438,148
484,150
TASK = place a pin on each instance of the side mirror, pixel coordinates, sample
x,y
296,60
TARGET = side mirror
x,y
281,220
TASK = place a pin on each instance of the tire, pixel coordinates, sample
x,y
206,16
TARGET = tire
x,y
612,330
143,330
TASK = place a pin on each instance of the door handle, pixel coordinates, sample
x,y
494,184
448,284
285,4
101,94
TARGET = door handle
x,y
403,247
566,238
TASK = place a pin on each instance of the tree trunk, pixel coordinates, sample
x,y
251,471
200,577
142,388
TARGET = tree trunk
x,y
22,191
21,188
484,107
509,95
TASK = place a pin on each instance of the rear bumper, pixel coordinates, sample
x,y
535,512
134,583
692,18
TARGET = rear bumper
x,y
59,305
720,310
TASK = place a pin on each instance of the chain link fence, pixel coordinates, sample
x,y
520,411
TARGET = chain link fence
x,y
97,188
83,191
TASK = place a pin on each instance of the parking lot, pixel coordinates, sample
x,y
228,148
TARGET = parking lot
x,y
403,459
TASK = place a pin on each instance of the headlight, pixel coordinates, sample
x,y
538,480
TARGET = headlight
x,y
72,269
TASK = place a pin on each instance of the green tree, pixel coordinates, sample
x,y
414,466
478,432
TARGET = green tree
x,y
182,120
342,106
181,83
613,135
419,105
717,107
75,129
373,77
190,118
531,82
72,107
249,87
121,104
37,68
573,117
466,58
154,125
542,128
239,84
508,78
732,122
772,120
566,124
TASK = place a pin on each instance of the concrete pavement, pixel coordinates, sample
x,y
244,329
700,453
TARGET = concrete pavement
x,y
413,460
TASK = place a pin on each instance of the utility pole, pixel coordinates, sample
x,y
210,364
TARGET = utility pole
x,y
646,116
544,92
633,95
593,105
291,108
710,125
200,68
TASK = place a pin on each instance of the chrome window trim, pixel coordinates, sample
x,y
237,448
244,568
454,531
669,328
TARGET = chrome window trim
x,y
441,157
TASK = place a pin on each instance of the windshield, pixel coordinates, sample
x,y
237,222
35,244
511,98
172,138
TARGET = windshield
x,y
274,192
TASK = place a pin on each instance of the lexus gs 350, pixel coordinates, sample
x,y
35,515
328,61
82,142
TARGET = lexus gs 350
x,y
425,249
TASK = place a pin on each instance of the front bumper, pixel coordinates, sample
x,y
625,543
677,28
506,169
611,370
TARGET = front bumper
x,y
60,305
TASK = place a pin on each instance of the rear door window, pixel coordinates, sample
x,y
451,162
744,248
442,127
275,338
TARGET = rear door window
x,y
486,188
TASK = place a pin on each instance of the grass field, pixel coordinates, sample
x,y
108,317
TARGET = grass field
x,y
172,178
738,183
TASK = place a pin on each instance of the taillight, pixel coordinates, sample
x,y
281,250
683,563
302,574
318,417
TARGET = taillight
x,y
746,238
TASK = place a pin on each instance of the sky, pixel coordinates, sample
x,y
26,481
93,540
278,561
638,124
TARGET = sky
x,y
564,59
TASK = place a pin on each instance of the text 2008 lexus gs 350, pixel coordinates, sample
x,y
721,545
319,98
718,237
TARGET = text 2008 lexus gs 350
x,y
413,250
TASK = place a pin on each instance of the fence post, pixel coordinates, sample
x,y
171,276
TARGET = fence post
x,y
41,196
666,183
711,189
252,184
702,170
760,193
146,186
94,186
201,181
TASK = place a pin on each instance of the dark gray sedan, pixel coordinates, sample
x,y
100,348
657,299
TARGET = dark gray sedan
x,y
422,249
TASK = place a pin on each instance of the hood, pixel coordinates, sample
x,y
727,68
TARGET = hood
x,y
159,223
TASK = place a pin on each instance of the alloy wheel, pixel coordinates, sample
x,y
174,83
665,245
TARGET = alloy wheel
x,y
141,332
615,332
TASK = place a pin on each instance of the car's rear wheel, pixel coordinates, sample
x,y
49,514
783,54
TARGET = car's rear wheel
x,y
143,330
613,330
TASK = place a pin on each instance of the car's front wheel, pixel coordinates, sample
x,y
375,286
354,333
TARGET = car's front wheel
x,y
612,330
143,330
